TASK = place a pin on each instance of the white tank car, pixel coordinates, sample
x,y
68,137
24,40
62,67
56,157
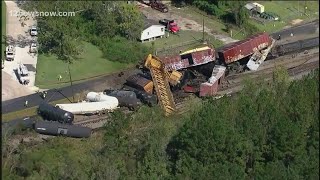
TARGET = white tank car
x,y
100,97
90,107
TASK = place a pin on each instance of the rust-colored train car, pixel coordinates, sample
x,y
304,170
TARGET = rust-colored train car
x,y
189,58
141,83
211,87
244,48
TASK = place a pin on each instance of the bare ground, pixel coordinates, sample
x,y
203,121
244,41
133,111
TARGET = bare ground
x,y
11,88
18,35
183,22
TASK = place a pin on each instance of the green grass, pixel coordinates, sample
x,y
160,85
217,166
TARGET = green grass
x,y
281,8
287,11
175,43
89,65
3,29
213,23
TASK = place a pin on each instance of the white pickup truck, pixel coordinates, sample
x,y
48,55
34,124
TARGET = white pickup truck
x,y
10,53
23,74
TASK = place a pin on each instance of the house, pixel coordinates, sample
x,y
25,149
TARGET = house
x,y
152,30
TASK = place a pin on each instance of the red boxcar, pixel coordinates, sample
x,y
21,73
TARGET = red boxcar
x,y
211,87
244,48
190,58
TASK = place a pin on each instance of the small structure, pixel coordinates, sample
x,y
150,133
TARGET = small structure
x,y
210,88
152,30
255,7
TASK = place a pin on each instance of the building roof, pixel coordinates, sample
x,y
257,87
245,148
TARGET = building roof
x,y
249,6
150,22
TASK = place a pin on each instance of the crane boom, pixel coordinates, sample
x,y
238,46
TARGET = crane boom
x,y
161,83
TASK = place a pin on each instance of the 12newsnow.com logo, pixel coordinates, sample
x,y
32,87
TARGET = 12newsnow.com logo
x,y
41,14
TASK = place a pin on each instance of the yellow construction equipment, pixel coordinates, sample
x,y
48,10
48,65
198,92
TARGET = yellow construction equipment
x,y
161,83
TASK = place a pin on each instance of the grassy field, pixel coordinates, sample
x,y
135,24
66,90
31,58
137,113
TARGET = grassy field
x,y
182,41
91,64
287,12
214,24
3,28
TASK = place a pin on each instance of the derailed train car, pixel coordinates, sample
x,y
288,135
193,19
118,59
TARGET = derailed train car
x,y
141,83
189,58
52,113
89,108
126,98
244,48
16,124
146,98
56,129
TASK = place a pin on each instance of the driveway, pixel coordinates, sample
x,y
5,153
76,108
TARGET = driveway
x,y
18,35
184,22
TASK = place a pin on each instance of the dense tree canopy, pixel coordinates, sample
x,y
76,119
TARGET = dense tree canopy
x,y
102,20
267,131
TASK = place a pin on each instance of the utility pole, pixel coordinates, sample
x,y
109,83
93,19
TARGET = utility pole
x,y
203,28
71,81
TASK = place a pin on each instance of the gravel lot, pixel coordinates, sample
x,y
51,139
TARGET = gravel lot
x,y
183,22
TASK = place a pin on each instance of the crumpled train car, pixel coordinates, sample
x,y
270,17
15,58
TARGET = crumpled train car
x,y
194,57
244,48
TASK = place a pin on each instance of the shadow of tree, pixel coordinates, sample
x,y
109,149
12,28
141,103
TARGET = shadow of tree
x,y
22,41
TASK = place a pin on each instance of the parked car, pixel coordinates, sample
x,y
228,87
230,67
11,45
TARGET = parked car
x,y
33,48
33,31
10,53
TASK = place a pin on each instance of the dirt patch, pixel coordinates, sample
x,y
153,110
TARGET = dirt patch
x,y
183,22
296,21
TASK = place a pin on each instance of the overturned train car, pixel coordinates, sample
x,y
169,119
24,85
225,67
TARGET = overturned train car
x,y
126,98
52,113
56,129
189,58
244,48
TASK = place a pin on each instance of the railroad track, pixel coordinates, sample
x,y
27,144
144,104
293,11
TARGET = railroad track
x,y
286,60
97,123
236,80
305,67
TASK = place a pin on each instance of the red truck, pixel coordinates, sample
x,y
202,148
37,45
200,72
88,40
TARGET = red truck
x,y
170,25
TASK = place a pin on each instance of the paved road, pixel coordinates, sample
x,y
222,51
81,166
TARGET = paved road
x,y
99,84
34,99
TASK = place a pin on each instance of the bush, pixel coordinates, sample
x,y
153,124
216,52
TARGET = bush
x,y
121,50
